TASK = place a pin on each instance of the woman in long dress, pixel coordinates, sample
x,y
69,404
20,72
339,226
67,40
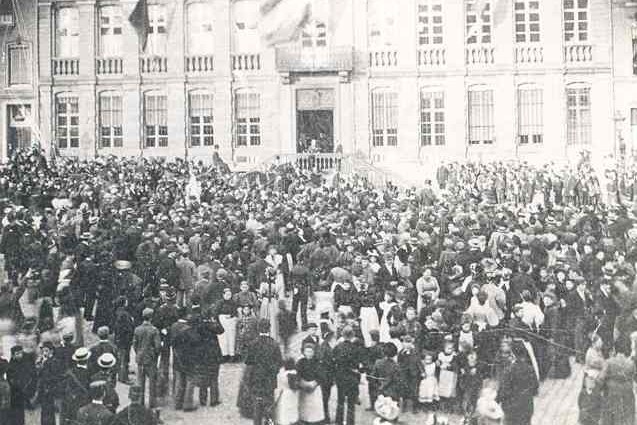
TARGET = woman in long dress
x,y
286,396
271,291
226,310
426,284
368,314
386,306
311,397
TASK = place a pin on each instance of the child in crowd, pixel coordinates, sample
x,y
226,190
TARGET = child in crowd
x,y
472,376
448,376
387,372
408,361
428,388
246,329
373,353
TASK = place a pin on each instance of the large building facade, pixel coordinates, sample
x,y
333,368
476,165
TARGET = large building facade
x,y
396,81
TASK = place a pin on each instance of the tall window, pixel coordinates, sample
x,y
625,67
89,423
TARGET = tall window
x,y
67,33
527,21
19,64
155,120
430,22
432,118
481,123
384,118
478,22
201,118
633,30
530,120
382,24
110,31
156,44
248,116
110,115
633,127
246,37
200,34
314,34
67,121
575,20
578,122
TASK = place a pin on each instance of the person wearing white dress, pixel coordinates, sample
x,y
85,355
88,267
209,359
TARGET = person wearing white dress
x,y
311,396
286,396
386,306
271,291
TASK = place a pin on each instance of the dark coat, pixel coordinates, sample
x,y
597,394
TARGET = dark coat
x,y
347,357
518,387
94,414
264,355
135,414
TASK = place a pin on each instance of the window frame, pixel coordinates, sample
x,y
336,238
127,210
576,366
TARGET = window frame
x,y
527,22
530,115
157,113
73,39
433,131
113,116
579,122
248,124
27,64
574,35
202,138
117,38
483,37
206,35
71,102
485,127
430,32
157,43
317,38
384,117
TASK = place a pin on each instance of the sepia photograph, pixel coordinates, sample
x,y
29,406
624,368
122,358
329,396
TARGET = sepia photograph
x,y
318,212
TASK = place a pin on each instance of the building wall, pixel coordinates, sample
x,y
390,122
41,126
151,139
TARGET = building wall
x,y
608,71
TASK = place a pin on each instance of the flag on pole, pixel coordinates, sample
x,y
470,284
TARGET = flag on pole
x,y
140,21
282,21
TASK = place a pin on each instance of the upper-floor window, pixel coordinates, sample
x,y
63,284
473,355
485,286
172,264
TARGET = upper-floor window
x,y
633,30
6,13
578,118
575,20
110,116
382,24
19,64
478,21
430,22
157,33
527,21
481,122
110,31
245,29
384,118
314,34
200,19
67,39
67,121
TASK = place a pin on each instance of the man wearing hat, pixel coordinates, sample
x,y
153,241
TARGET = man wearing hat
x,y
106,364
64,353
135,413
49,374
95,413
147,346
101,347
300,281
21,378
75,387
163,319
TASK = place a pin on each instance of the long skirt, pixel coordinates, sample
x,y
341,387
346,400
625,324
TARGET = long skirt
x,y
324,302
245,399
369,322
428,390
447,383
286,410
311,406
227,340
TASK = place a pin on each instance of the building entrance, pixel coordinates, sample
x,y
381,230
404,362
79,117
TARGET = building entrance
x,y
315,121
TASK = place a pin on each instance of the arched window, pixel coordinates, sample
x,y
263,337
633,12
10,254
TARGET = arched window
x,y
481,121
248,117
578,114
110,120
155,120
67,37
432,117
530,114
201,117
384,117
200,17
67,120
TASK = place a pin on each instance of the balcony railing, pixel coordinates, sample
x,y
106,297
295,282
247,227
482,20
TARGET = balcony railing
x,y
529,54
153,64
578,53
383,59
308,161
479,55
199,63
246,62
109,66
65,66
432,56
325,59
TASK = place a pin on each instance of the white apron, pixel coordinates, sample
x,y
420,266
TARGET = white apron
x,y
227,340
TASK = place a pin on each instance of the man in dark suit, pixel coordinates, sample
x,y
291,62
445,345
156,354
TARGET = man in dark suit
x,y
21,378
300,280
210,359
95,413
75,389
102,346
578,305
347,357
147,345
135,413
264,355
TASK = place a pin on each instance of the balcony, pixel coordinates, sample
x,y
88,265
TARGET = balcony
x,y
309,161
109,66
199,64
432,57
383,59
153,64
578,53
327,59
246,62
479,55
62,67
529,54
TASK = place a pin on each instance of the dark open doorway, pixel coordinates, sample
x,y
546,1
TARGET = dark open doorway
x,y
315,131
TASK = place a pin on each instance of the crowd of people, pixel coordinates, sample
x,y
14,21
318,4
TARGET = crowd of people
x,y
457,298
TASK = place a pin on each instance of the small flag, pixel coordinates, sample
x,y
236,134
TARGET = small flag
x,y
282,21
140,21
